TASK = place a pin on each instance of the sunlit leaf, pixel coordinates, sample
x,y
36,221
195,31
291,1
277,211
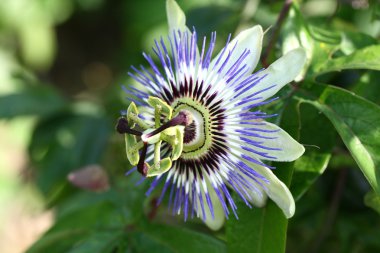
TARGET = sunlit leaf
x,y
365,58
355,40
358,123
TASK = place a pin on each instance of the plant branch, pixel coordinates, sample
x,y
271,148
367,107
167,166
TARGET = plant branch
x,y
276,30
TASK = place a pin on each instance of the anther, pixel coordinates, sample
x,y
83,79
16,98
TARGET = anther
x,y
123,128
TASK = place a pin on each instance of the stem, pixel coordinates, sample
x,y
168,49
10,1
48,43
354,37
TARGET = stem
x,y
276,30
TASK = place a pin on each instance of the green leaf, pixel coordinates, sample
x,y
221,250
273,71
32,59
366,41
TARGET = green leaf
x,y
325,43
64,143
336,50
353,41
365,58
100,242
368,87
100,216
58,242
257,230
358,124
260,230
318,135
96,223
182,240
124,195
73,227
372,200
38,100
142,243
264,230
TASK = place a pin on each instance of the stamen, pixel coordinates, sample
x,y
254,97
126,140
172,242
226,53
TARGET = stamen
x,y
123,128
184,118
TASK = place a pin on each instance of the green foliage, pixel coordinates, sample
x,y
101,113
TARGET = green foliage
x,y
357,121
332,109
253,231
257,225
174,239
40,100
365,58
317,132
71,142
372,199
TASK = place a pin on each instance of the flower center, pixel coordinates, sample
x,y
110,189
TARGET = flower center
x,y
197,135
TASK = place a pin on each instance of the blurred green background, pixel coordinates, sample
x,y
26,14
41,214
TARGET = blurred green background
x,y
61,66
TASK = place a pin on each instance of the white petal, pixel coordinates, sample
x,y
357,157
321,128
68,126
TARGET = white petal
x,y
258,196
217,222
250,39
276,190
279,73
176,17
177,22
290,148
258,199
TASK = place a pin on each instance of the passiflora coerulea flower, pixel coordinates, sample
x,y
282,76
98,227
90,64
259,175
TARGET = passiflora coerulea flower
x,y
193,124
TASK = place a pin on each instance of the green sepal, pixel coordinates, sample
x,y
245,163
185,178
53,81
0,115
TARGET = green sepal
x,y
161,106
132,148
158,169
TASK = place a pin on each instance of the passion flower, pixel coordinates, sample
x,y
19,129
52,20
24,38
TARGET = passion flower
x,y
194,124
